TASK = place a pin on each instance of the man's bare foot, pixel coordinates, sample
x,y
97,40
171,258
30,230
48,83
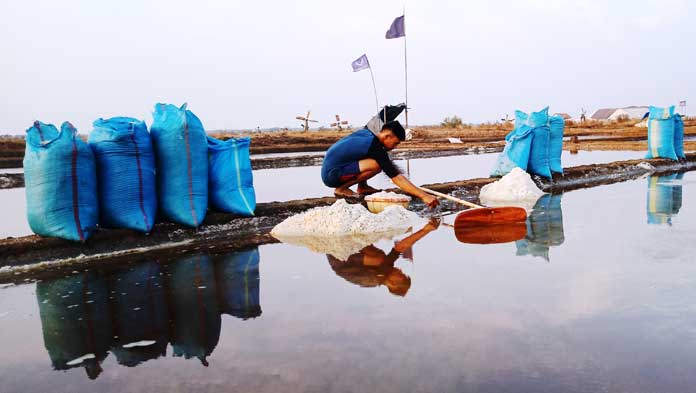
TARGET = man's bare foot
x,y
345,193
366,190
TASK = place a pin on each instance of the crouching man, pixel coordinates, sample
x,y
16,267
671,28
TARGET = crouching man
x,y
361,155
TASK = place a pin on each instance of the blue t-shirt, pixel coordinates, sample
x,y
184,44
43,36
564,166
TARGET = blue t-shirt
x,y
357,146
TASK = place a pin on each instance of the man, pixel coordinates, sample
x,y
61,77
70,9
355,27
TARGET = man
x,y
360,156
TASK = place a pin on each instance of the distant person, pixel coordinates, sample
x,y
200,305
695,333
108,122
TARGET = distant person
x,y
358,157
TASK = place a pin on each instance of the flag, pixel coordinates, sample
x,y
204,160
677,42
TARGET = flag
x,y
360,64
397,28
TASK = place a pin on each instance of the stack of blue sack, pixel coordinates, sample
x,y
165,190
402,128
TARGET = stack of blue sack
x,y
126,172
181,149
535,145
61,183
230,181
665,134
176,169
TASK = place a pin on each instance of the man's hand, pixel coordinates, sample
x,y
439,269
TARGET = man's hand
x,y
432,224
412,189
430,200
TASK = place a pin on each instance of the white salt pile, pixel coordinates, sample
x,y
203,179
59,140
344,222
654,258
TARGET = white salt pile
x,y
343,218
516,188
343,229
387,195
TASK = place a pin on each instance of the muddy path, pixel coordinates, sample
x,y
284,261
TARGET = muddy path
x,y
31,257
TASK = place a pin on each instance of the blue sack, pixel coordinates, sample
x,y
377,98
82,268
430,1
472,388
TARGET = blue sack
x,y
238,284
181,152
126,172
661,133
518,144
539,153
556,124
61,183
679,136
231,184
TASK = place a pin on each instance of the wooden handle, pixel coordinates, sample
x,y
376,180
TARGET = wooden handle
x,y
451,198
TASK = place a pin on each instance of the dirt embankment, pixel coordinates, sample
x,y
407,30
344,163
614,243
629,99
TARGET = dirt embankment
x,y
220,232
604,136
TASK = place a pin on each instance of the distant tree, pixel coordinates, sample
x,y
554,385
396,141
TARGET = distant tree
x,y
452,122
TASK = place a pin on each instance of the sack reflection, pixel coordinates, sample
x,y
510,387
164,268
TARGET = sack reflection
x,y
140,314
544,228
664,198
135,312
195,313
76,320
238,284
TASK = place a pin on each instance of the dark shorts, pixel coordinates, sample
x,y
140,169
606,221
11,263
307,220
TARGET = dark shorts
x,y
335,177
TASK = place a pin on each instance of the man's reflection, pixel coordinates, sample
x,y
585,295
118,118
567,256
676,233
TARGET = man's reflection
x,y
544,228
664,198
372,267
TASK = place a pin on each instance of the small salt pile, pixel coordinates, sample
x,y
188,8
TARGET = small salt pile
x,y
388,195
343,218
516,188
343,229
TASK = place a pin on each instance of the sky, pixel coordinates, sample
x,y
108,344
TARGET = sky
x,y
246,64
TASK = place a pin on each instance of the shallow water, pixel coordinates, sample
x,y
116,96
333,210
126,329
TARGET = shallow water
x,y
284,184
11,170
596,297
303,182
289,154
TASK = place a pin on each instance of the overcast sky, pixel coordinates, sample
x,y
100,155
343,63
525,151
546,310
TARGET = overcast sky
x,y
243,64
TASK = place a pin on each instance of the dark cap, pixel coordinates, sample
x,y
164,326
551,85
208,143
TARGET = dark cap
x,y
396,128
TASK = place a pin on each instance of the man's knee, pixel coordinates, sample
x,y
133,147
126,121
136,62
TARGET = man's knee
x,y
369,165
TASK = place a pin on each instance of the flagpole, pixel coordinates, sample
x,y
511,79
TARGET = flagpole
x,y
374,86
405,67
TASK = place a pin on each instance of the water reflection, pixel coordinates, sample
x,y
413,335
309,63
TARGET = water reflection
x,y
544,228
135,313
664,198
76,319
196,316
372,267
238,284
140,314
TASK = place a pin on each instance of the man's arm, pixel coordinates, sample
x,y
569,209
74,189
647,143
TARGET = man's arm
x,y
408,242
403,183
